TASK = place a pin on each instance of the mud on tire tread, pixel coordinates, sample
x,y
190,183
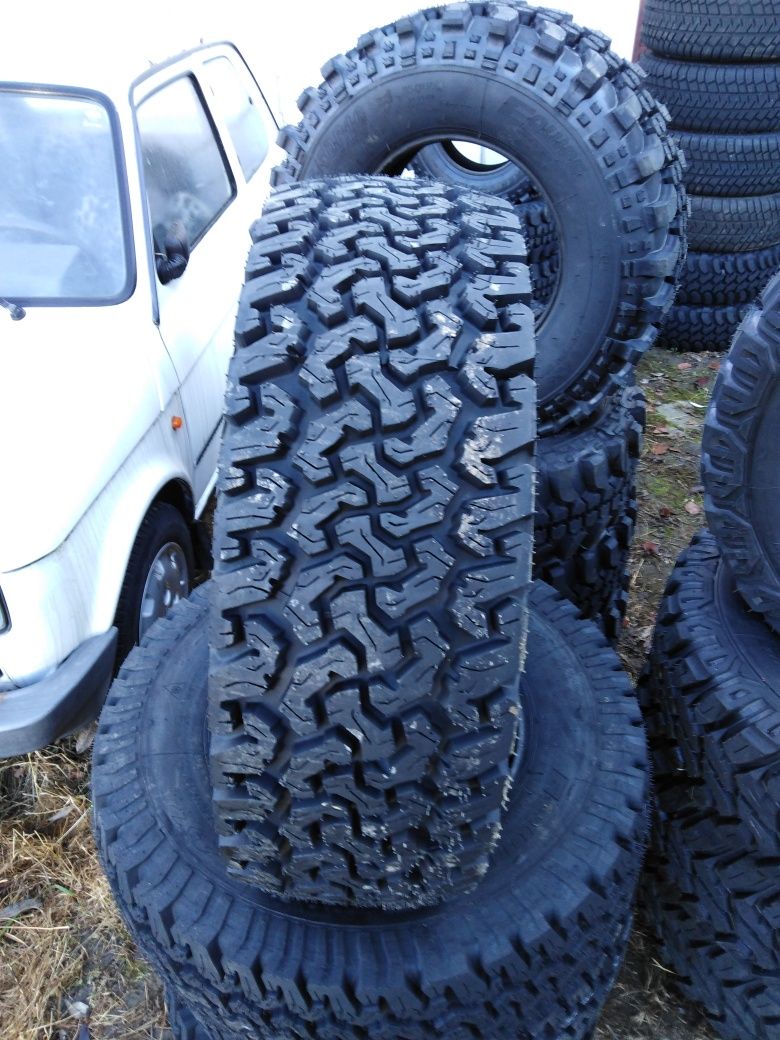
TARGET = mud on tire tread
x,y
711,698
585,93
373,541
739,456
721,30
479,967
586,509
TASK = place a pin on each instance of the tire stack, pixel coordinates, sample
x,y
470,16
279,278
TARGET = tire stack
x,y
716,65
711,696
372,780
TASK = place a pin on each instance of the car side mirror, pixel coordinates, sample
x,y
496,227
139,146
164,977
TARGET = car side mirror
x,y
172,262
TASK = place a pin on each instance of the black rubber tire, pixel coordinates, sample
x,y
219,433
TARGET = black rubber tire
x,y
711,696
720,30
740,225
162,524
373,541
740,457
698,329
586,509
440,161
552,97
181,1020
727,279
731,164
724,99
530,953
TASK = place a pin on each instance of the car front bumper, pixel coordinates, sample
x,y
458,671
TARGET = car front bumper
x,y
65,700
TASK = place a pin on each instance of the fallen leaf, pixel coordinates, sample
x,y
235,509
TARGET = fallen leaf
x,y
650,548
684,366
665,511
8,913
692,509
659,449
661,429
702,381
714,365
62,813
78,1009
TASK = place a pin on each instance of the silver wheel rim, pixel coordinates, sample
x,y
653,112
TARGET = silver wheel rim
x,y
167,582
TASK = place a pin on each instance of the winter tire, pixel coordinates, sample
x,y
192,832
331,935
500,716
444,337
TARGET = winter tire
x,y
711,696
553,99
741,225
731,164
373,541
740,458
530,953
720,30
698,329
586,509
724,99
727,279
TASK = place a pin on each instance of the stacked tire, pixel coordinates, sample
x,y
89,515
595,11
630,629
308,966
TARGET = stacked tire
x,y
711,696
372,780
716,65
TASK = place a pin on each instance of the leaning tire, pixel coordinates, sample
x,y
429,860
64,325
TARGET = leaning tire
x,y
724,99
586,509
531,952
727,279
711,697
373,541
552,98
731,164
721,30
698,329
743,225
740,459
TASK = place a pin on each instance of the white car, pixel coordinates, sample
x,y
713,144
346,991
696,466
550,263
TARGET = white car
x,y
126,199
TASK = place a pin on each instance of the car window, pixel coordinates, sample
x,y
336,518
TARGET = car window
x,y
63,235
187,179
241,112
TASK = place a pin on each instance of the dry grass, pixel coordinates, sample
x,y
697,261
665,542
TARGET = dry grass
x,y
62,945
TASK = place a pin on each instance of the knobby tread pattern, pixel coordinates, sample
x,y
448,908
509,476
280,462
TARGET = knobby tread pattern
x,y
739,225
711,698
480,967
373,542
586,509
697,329
183,1024
719,30
727,279
591,93
725,99
731,164
733,438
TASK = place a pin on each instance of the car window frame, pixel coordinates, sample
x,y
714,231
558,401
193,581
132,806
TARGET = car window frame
x,y
123,190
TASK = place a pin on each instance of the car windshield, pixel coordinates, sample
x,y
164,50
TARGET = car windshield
x,y
62,237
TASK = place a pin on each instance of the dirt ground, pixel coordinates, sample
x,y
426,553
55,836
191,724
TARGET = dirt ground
x,y
63,949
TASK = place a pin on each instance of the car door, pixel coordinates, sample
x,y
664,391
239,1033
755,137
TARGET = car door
x,y
194,181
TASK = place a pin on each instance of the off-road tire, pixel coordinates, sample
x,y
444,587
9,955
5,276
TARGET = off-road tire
x,y
731,164
698,329
441,162
586,509
717,30
723,99
554,99
530,953
183,1024
373,540
739,225
727,279
711,697
740,456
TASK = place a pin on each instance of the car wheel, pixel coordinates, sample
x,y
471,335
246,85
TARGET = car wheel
x,y
159,574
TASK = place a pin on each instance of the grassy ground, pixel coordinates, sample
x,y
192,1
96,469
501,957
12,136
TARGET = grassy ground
x,y
62,947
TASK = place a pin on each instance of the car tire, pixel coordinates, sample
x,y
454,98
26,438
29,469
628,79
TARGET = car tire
x,y
551,97
586,509
153,583
723,99
531,952
717,30
738,225
711,698
727,279
442,161
731,164
698,329
739,457
373,541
